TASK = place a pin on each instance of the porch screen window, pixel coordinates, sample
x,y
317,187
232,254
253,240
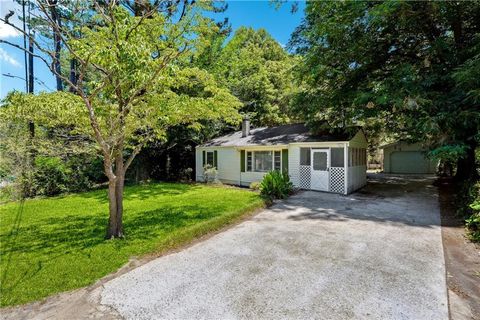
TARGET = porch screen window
x,y
305,156
263,161
319,161
277,160
337,157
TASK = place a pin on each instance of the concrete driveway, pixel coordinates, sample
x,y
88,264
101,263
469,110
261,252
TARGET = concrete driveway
x,y
375,254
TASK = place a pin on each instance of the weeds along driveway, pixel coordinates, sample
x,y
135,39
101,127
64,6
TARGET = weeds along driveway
x,y
376,254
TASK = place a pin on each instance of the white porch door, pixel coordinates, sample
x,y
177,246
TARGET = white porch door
x,y
320,169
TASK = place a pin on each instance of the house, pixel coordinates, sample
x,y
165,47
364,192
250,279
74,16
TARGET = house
x,y
403,157
331,162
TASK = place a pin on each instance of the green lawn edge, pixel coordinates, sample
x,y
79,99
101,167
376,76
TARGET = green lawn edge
x,y
174,241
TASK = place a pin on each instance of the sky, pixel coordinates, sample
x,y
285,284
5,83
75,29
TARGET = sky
x,y
280,23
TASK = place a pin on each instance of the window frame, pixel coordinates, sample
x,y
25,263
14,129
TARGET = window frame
x,y
213,157
250,157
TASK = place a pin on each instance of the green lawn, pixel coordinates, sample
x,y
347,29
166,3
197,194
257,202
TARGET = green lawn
x,y
57,244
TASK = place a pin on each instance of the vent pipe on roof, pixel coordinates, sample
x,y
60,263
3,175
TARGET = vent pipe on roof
x,y
245,126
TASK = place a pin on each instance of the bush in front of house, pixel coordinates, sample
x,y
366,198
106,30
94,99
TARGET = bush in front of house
x,y
276,185
210,174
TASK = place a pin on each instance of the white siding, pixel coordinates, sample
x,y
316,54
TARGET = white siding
x,y
357,177
228,164
294,164
359,140
198,164
249,177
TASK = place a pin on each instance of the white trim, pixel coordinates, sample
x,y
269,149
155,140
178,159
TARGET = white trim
x,y
333,144
327,151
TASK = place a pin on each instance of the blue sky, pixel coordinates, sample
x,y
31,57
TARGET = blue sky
x,y
280,23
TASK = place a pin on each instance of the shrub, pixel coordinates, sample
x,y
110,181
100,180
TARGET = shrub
x,y
210,174
473,221
50,176
473,227
276,185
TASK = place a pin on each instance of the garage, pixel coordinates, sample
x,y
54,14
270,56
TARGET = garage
x,y
402,157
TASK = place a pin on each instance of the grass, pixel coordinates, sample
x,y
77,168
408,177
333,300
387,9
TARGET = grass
x,y
57,244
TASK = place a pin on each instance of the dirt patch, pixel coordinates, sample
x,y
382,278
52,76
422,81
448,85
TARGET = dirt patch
x,y
462,259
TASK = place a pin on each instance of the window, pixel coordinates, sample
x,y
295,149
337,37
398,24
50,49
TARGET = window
x,y
249,161
305,156
263,161
337,157
277,160
350,150
210,158
320,161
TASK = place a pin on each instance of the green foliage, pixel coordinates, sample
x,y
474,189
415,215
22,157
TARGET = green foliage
x,y
258,71
55,159
471,203
473,226
50,176
408,68
448,153
57,244
276,185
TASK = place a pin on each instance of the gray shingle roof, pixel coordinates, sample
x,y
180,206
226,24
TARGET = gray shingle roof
x,y
280,135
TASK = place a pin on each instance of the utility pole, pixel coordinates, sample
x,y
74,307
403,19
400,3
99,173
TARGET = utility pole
x,y
31,77
25,46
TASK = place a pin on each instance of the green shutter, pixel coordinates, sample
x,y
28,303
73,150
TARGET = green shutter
x,y
285,160
215,163
242,160
203,158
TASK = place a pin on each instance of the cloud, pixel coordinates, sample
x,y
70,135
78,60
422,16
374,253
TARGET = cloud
x,y
7,31
4,56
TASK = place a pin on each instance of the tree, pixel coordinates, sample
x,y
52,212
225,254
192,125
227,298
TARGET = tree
x,y
257,70
399,66
133,84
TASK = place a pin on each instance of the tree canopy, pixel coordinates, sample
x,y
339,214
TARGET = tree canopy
x,y
409,68
257,70
133,82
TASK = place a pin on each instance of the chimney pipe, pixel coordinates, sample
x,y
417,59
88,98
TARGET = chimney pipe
x,y
245,127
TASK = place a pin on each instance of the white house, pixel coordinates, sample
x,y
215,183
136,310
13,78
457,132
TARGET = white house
x,y
332,162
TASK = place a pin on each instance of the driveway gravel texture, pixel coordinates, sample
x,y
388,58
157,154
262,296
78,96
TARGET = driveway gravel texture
x,y
374,254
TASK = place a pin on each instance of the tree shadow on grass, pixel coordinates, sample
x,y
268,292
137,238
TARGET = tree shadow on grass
x,y
146,191
54,238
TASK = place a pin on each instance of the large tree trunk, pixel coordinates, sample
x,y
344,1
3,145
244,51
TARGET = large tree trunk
x,y
73,74
112,229
115,196
57,43
466,167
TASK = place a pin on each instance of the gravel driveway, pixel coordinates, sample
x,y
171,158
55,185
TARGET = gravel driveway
x,y
376,254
